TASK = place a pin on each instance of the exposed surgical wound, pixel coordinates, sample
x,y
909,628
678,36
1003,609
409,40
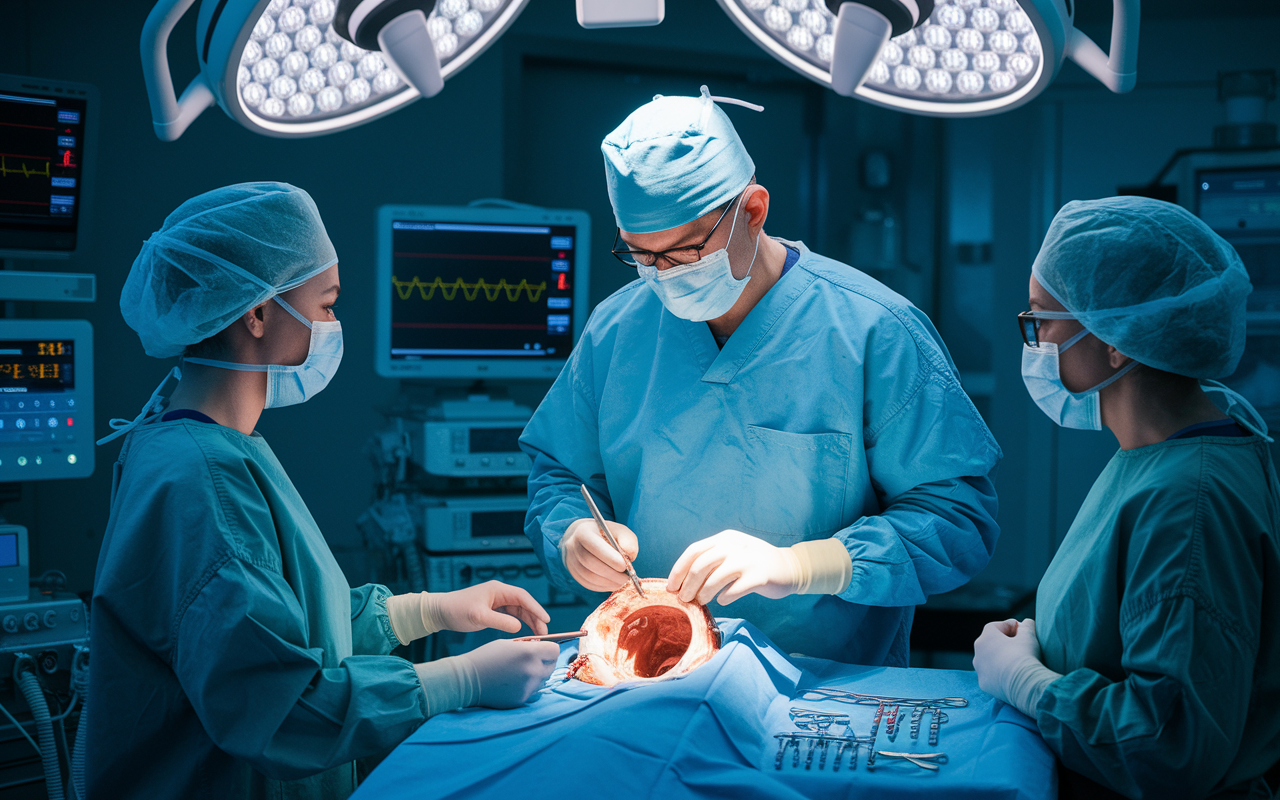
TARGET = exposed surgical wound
x,y
654,637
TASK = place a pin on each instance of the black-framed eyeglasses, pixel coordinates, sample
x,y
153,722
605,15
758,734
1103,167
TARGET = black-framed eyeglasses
x,y
1029,324
675,256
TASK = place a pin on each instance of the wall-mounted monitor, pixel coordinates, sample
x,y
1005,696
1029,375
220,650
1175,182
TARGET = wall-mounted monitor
x,y
466,292
47,153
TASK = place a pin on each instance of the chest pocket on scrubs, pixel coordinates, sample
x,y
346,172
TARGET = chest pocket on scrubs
x,y
794,484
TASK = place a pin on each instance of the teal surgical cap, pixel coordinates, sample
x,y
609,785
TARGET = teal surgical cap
x,y
219,255
1150,279
673,160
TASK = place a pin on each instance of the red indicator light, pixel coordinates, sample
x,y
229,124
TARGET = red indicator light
x,y
70,422
561,254
562,284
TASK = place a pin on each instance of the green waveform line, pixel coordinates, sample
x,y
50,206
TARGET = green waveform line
x,y
470,291
26,173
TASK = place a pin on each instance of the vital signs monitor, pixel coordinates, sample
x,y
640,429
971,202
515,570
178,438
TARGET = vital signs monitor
x,y
467,292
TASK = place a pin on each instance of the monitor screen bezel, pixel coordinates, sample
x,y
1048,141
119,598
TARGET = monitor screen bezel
x,y
475,368
82,91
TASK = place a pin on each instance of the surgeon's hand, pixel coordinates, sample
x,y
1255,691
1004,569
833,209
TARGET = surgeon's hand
x,y
511,671
733,564
1007,659
591,560
486,605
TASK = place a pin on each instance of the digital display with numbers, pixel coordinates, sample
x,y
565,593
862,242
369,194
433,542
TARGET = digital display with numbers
x,y
37,366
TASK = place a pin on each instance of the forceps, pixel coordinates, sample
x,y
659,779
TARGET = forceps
x,y
604,529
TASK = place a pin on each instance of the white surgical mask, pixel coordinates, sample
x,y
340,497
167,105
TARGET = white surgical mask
x,y
1040,372
703,289
290,385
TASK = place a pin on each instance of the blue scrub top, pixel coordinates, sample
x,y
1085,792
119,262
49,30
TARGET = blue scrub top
x,y
1162,610
231,659
833,410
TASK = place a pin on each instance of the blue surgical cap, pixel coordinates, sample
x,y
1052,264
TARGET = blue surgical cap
x,y
673,160
219,255
1150,279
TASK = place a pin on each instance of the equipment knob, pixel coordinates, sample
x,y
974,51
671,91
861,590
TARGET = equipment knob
x,y
11,623
31,622
51,619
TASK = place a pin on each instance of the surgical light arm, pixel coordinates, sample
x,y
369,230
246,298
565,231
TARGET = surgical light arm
x,y
170,115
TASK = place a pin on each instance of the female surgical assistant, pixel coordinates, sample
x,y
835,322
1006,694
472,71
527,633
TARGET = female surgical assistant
x,y
1152,668
231,659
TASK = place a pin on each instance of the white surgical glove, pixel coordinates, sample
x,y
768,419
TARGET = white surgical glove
x,y
486,605
733,564
499,674
1007,659
590,558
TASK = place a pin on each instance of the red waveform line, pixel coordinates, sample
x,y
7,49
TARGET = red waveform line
x,y
20,125
24,203
16,155
472,256
468,326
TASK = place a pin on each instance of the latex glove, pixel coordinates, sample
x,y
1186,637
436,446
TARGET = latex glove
x,y
590,558
1007,659
508,672
733,564
500,674
486,605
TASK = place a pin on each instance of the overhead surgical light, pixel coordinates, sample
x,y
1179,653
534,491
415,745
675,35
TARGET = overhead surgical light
x,y
294,68
945,58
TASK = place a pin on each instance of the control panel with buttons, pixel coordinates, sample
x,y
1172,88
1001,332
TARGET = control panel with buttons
x,y
43,621
471,448
475,523
518,568
46,399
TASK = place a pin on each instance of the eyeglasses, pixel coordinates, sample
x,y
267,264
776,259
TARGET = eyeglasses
x,y
685,254
1029,324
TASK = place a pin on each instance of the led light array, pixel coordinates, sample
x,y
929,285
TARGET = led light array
x,y
296,65
967,49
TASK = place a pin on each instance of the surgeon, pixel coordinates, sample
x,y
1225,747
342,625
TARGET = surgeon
x,y
1153,666
230,657
770,429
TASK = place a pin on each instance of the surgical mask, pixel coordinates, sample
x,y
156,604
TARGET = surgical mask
x,y
1040,372
290,385
703,289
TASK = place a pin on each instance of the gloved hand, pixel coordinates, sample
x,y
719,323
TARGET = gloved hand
x,y
734,564
509,672
1007,659
591,560
486,605
499,674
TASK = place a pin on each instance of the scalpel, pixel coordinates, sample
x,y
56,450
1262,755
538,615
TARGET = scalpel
x,y
604,529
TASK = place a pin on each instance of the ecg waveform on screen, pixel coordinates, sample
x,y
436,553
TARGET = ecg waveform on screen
x,y
470,291
6,170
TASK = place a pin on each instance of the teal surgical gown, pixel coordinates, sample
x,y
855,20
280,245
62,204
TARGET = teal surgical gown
x,y
1162,611
230,658
833,410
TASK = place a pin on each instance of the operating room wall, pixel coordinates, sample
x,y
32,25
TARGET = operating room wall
x,y
469,142
1006,177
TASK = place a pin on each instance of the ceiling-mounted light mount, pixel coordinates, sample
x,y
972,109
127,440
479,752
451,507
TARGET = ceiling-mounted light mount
x,y
861,29
964,58
282,68
397,29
